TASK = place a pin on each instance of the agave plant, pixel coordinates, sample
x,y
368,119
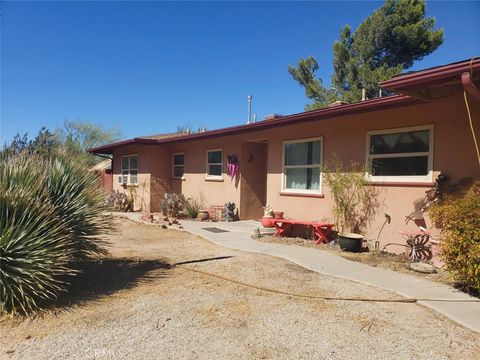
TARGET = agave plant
x,y
51,212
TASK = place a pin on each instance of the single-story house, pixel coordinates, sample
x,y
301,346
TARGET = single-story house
x,y
405,140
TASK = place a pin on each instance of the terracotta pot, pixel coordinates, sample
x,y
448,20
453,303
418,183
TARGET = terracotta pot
x,y
202,215
267,221
278,214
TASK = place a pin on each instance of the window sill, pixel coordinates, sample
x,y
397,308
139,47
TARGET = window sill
x,y
214,179
178,178
307,195
128,185
402,183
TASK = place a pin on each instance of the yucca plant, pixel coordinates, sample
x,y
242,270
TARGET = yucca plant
x,y
34,249
51,212
78,201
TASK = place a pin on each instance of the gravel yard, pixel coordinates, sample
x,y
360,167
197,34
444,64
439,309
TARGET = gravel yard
x,y
151,311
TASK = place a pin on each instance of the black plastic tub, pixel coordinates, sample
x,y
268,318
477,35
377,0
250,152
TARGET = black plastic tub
x,y
350,242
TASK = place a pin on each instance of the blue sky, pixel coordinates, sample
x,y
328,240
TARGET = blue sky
x,y
147,67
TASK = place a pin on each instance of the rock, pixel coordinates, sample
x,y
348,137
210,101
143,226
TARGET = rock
x,y
423,268
164,226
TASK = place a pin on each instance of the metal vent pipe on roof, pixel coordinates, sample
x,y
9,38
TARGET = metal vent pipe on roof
x,y
249,109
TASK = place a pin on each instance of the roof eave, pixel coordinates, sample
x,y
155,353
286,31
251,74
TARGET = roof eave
x,y
432,76
108,149
314,115
321,114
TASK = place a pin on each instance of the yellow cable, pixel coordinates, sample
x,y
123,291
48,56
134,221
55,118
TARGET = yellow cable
x,y
336,298
307,296
471,126
468,112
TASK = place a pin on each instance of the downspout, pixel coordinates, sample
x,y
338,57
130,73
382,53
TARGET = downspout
x,y
470,88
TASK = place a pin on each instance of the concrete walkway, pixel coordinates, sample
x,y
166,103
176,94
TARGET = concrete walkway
x,y
238,236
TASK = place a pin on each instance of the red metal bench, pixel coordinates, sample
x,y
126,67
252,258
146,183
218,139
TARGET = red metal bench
x,y
321,230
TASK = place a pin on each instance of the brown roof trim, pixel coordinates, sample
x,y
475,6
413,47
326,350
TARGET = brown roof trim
x,y
314,115
431,76
107,149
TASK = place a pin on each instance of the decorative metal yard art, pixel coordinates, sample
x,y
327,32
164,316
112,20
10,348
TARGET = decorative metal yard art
x,y
417,244
230,211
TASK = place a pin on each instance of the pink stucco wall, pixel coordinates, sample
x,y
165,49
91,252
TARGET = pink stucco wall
x,y
346,136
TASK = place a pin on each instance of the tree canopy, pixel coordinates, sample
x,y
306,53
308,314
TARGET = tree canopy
x,y
386,43
75,138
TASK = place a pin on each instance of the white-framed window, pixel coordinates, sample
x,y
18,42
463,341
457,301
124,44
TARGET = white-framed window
x,y
400,155
178,165
129,170
214,164
302,166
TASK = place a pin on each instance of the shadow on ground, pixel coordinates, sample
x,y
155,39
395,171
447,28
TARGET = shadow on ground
x,y
100,278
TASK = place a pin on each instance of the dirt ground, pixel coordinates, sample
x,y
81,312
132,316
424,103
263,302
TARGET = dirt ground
x,y
149,310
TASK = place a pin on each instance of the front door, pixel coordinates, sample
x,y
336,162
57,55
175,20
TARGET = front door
x,y
253,182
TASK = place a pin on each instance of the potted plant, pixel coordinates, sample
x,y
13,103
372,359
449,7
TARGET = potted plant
x,y
203,215
355,202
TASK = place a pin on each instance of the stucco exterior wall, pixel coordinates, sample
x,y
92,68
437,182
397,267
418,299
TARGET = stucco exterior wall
x,y
346,136
217,192
153,164
453,155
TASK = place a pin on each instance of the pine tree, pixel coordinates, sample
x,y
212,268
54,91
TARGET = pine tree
x,y
386,43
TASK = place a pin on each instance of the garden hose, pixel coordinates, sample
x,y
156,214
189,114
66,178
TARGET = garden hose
x,y
321,297
276,291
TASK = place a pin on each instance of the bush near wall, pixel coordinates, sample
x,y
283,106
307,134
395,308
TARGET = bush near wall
x,y
458,216
51,213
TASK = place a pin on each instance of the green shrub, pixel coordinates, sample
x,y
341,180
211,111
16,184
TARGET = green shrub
x,y
458,216
51,213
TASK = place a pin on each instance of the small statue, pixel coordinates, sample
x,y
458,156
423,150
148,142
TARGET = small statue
x,y
268,212
229,211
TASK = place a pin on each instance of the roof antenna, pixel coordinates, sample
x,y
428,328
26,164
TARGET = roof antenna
x,y
249,109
